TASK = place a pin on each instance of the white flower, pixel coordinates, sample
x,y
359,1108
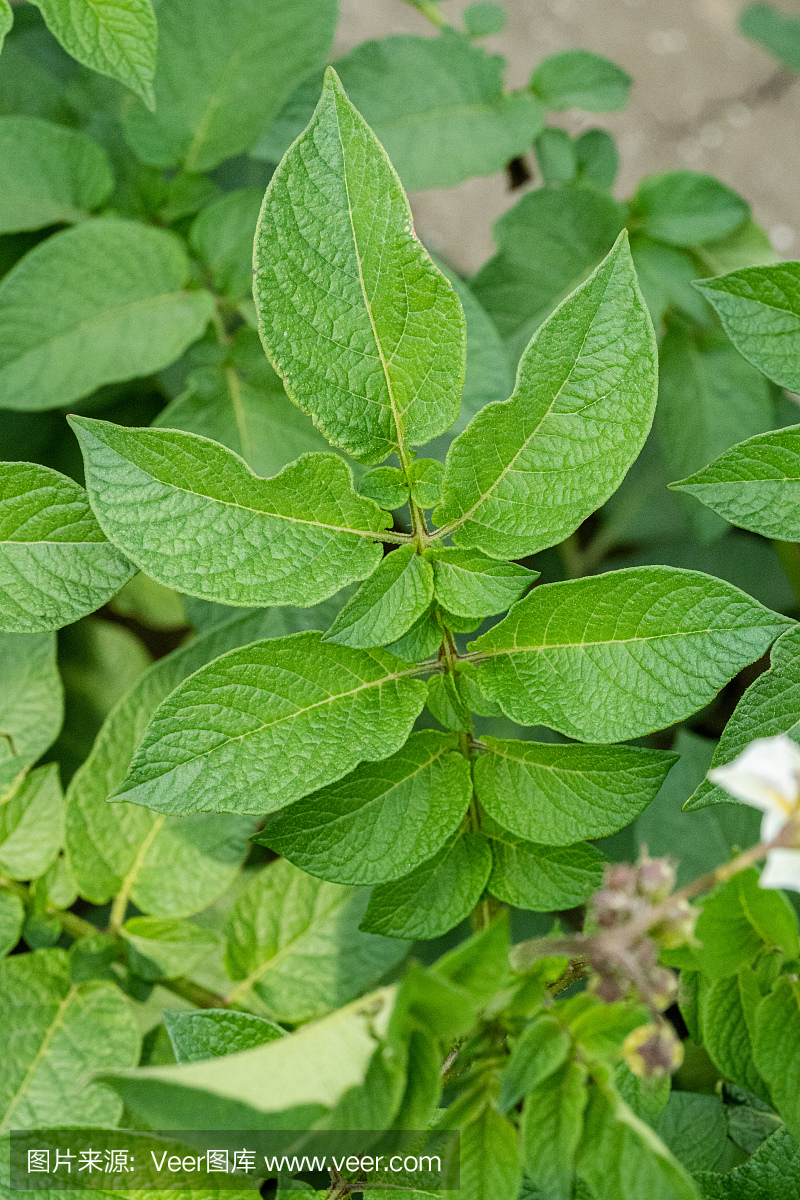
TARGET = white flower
x,y
767,776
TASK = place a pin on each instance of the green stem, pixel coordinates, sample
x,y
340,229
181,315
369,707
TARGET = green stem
x,y
789,554
195,993
430,10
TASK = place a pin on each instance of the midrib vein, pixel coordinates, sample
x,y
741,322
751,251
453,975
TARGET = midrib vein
x,y
55,1025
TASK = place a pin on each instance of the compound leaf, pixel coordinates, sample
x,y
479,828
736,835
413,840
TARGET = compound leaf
x,y
364,329
383,819
295,942
171,866
388,604
215,1032
760,311
558,795
525,473
614,656
270,723
63,1033
48,174
294,539
435,897
755,485
115,37
99,303
223,72
55,563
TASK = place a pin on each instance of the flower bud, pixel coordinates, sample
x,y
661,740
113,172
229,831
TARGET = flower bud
x,y
656,878
607,988
677,928
621,878
663,987
653,1051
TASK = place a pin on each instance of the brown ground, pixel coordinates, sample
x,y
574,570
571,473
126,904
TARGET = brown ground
x,y
704,97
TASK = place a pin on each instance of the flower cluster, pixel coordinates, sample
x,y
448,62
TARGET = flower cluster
x,y
624,968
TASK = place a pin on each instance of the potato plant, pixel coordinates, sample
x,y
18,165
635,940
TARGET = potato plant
x,y
411,726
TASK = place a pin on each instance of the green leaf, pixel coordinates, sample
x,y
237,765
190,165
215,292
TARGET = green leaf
x,y
770,705
739,920
699,841
580,79
215,1032
422,640
760,311
684,208
48,174
436,104
32,825
556,157
483,18
286,1084
437,896
598,158
600,1028
426,475
708,398
615,656
727,1018
385,607
383,819
776,1047
666,276
771,1173
479,964
175,866
470,584
646,1097
31,701
547,245
12,916
694,1128
165,947
777,32
542,878
222,236
295,943
118,310
6,20
489,1167
557,795
62,1033
370,340
242,404
115,37
622,1157
55,563
747,246
590,367
294,539
539,1050
755,485
550,1130
212,105
257,750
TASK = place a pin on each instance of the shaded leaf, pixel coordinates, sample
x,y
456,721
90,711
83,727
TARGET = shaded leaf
x,y
118,310
32,825
215,1032
12,916
31,701
685,208
295,941
166,947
